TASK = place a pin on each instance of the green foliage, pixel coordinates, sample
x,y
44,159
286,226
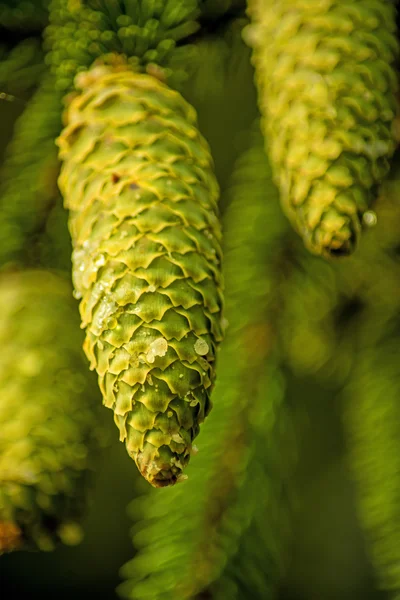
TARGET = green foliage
x,y
219,64
371,407
254,529
49,424
327,91
53,247
21,67
299,328
29,173
373,424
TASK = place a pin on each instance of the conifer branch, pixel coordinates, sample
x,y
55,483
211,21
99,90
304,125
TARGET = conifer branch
x,y
204,519
29,174
371,406
372,419
22,67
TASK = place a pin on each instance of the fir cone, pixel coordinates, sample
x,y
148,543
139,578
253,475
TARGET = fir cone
x,y
327,85
137,178
48,414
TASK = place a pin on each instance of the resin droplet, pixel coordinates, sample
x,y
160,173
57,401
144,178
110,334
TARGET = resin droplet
x,y
201,347
369,218
157,348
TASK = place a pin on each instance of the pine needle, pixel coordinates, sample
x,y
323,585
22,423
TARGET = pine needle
x,y
29,173
372,417
371,400
21,67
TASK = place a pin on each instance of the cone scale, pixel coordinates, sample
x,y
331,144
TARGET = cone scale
x,y
137,178
327,91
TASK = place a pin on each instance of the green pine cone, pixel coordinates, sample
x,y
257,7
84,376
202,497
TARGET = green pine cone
x,y
48,413
327,91
138,180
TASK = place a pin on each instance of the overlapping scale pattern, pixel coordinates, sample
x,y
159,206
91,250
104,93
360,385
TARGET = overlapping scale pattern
x,y
138,180
50,423
327,91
